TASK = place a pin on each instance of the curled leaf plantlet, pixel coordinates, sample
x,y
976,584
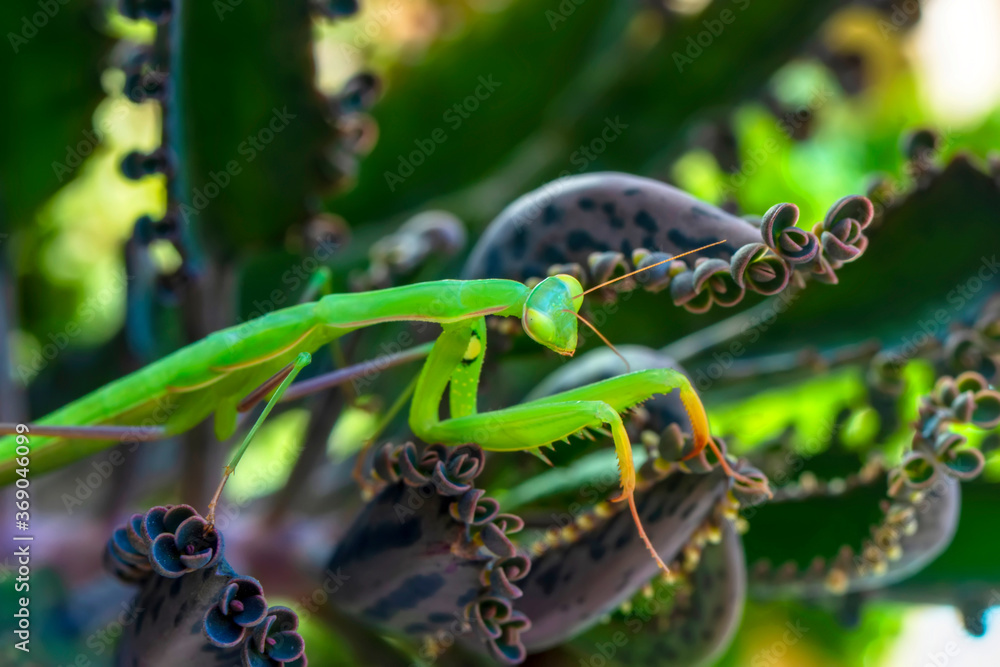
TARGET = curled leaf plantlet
x,y
214,375
594,225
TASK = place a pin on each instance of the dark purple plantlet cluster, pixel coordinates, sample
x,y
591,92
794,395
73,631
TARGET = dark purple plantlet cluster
x,y
241,607
430,555
192,605
275,642
179,540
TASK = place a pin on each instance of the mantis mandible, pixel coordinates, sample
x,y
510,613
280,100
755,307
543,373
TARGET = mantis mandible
x,y
215,374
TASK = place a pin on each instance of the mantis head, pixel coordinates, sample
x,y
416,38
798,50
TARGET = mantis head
x,y
549,316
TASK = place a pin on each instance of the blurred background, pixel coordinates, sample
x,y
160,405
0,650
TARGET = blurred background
x,y
109,259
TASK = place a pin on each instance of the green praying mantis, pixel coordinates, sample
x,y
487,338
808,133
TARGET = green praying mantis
x,y
232,369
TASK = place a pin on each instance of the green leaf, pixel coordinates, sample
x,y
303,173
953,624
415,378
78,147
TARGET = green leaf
x,y
451,119
246,124
51,71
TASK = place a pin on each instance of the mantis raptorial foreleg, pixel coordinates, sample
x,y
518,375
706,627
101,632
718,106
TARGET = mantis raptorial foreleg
x,y
532,425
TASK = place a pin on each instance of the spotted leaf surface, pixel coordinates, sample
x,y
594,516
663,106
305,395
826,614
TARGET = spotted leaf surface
x,y
699,624
571,586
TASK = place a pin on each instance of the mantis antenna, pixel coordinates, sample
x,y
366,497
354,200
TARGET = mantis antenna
x,y
614,280
602,337
647,268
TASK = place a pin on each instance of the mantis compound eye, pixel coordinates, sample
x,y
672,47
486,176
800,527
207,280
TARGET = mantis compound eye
x,y
575,289
549,315
539,326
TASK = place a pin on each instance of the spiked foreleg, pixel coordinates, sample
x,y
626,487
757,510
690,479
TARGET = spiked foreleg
x,y
624,391
529,426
